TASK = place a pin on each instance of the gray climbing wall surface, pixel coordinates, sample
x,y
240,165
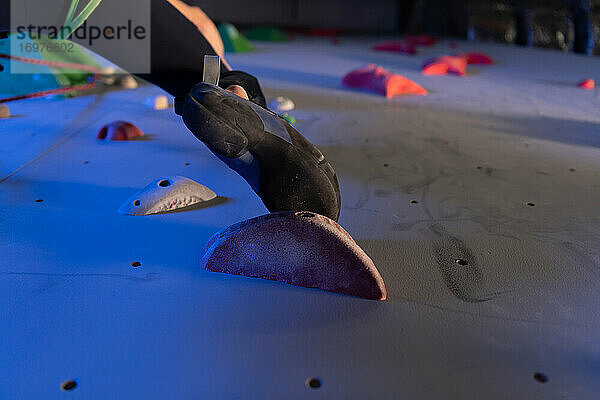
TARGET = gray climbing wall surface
x,y
478,204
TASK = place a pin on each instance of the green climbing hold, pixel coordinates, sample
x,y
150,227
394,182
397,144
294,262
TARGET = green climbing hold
x,y
291,120
267,33
233,40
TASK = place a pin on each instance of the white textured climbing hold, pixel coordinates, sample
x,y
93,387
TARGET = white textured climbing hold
x,y
159,102
4,111
167,194
128,82
281,104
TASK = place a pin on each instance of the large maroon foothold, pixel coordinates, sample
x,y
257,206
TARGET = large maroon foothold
x,y
119,130
299,248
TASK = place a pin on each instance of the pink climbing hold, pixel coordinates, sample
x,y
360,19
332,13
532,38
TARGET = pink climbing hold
x,y
477,58
378,80
445,65
119,131
396,46
587,84
298,248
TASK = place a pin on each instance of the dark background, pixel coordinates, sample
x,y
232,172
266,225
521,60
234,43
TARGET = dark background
x,y
551,20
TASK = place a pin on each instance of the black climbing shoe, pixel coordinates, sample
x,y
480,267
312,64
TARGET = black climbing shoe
x,y
286,170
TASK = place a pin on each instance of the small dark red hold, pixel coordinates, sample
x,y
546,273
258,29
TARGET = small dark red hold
x,y
396,46
421,40
477,58
587,84
119,131
323,32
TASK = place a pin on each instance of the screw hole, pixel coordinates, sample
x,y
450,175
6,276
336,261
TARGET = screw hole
x,y
460,261
39,200
136,264
305,214
85,162
187,163
386,165
479,167
68,385
164,183
541,378
530,204
413,201
572,169
313,383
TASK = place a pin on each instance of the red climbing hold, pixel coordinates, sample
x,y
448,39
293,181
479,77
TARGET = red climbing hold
x,y
587,84
420,40
396,46
268,247
477,58
119,130
324,32
445,65
377,79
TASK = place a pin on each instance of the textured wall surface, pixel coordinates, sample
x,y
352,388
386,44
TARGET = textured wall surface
x,y
498,169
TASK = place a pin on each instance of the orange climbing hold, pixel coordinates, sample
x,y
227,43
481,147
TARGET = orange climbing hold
x,y
378,80
587,84
445,65
119,131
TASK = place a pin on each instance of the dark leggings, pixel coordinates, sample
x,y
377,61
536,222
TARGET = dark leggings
x,y
178,50
177,57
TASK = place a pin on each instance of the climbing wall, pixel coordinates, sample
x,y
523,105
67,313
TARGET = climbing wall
x,y
477,203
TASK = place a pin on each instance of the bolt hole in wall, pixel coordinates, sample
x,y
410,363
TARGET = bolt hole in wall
x,y
39,200
313,383
540,377
413,202
530,204
164,183
136,264
68,385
